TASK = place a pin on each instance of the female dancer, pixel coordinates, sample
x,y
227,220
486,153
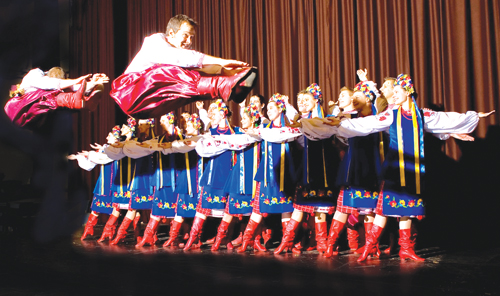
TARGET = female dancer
x,y
213,198
189,166
359,172
276,173
164,178
121,181
102,200
141,189
240,185
315,190
401,194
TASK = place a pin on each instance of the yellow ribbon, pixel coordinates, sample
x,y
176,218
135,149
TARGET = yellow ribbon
x,y
416,147
400,149
282,168
255,164
381,147
102,179
186,156
324,167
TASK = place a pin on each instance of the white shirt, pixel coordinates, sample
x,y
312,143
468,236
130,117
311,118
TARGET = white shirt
x,y
36,79
156,50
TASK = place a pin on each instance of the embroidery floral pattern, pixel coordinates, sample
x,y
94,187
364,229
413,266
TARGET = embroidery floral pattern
x,y
401,203
126,194
142,199
102,204
274,200
215,199
364,195
239,205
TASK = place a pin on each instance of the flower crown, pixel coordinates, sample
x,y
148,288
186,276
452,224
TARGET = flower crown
x,y
405,82
253,111
315,90
150,121
369,89
221,106
131,123
279,100
116,131
195,120
170,117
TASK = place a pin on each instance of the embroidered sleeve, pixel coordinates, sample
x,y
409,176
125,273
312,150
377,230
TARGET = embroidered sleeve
x,y
450,122
132,150
363,126
279,135
99,158
114,153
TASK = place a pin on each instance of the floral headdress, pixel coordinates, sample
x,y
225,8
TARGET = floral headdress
x,y
253,111
195,120
116,132
131,123
369,89
279,100
16,90
170,117
221,106
315,90
150,121
405,82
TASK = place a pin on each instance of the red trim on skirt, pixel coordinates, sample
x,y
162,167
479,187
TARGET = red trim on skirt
x,y
313,209
200,209
345,209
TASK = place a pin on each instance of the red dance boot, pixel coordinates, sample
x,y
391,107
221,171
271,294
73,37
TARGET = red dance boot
x,y
137,227
235,87
175,228
407,243
256,242
89,227
237,241
321,237
122,231
248,235
149,237
267,234
335,230
72,100
109,229
288,236
368,227
371,244
195,234
221,235
353,238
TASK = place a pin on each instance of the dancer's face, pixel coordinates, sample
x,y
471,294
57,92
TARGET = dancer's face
x,y
217,117
125,130
256,101
246,121
359,100
344,99
308,102
190,130
211,109
273,111
183,38
400,95
387,90
111,139
167,126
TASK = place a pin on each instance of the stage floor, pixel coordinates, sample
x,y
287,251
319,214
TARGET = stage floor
x,y
71,267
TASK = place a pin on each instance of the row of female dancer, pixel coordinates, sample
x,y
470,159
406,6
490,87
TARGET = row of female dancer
x,y
284,164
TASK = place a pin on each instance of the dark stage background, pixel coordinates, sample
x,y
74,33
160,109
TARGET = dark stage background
x,y
450,48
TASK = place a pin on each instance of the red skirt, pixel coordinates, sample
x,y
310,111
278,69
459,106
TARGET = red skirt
x,y
155,91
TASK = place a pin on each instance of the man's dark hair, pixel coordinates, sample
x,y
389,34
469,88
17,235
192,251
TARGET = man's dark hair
x,y
175,22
